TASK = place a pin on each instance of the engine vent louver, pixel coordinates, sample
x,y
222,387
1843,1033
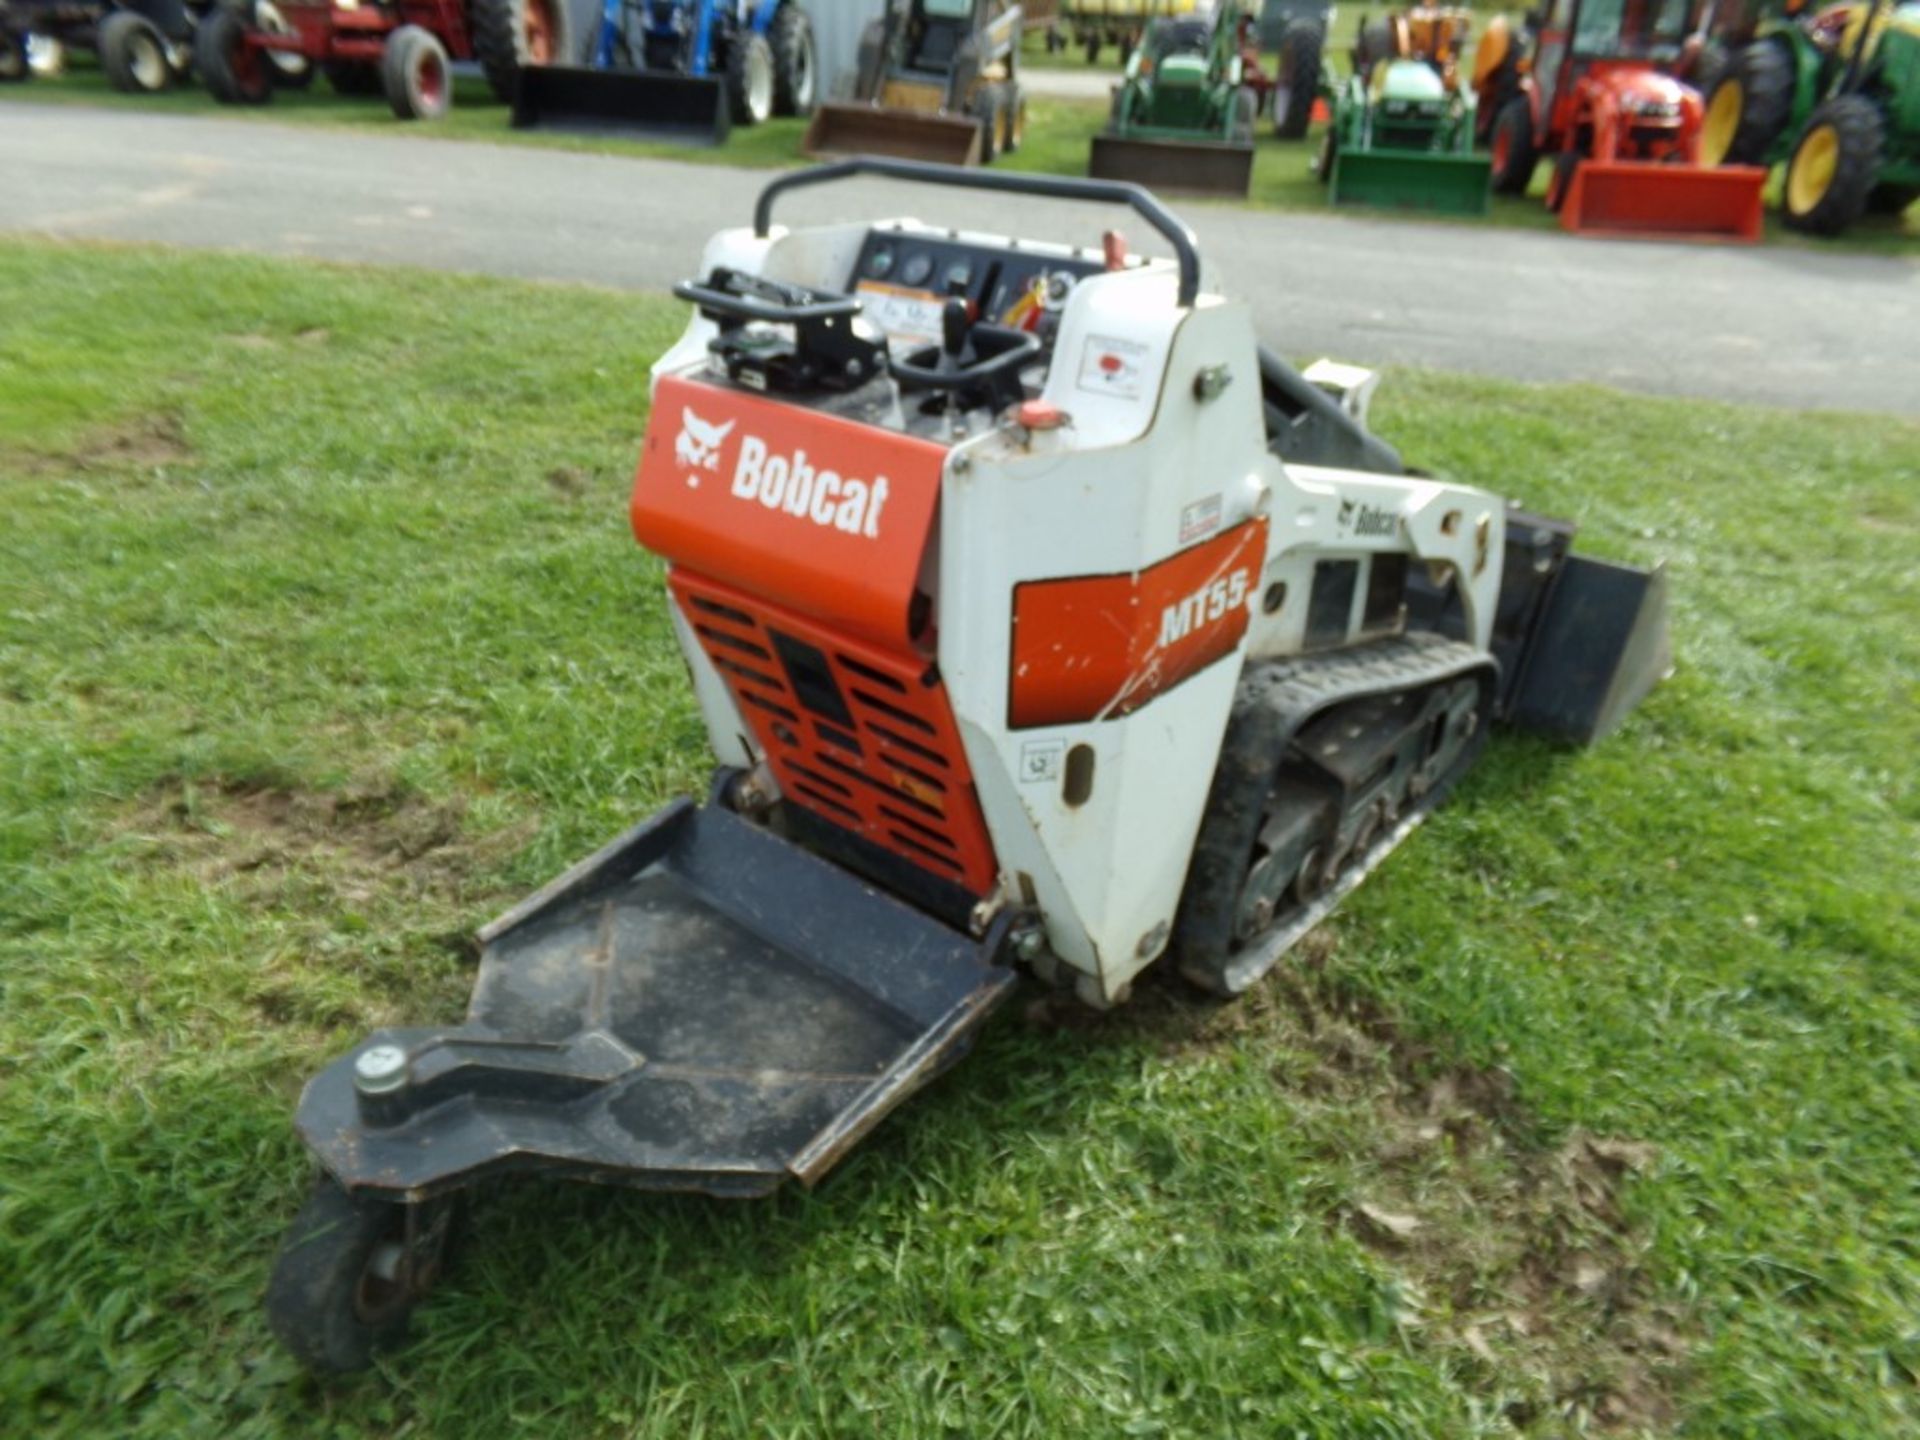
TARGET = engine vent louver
x,y
862,738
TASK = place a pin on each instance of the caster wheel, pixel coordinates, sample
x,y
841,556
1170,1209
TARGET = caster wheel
x,y
351,1271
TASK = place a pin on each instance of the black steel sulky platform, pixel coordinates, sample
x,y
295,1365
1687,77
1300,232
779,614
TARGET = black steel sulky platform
x,y
699,1006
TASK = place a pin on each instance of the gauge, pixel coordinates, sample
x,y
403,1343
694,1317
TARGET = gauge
x,y
1059,286
959,275
917,268
879,263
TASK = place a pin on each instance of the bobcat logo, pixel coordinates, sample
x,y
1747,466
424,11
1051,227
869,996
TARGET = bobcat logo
x,y
698,445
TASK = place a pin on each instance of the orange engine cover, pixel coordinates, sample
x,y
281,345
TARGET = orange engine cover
x,y
796,540
818,514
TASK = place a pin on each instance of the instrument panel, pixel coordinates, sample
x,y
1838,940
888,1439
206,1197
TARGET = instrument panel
x,y
903,277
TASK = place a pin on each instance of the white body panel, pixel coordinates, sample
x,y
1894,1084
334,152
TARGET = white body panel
x,y
1114,491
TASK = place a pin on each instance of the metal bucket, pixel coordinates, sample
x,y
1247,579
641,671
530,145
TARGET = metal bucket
x,y
632,104
1625,197
1194,166
844,129
1413,180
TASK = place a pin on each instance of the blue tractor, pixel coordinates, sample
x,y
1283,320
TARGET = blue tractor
x,y
679,69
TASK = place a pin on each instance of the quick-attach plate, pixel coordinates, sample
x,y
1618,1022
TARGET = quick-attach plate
x,y
700,1006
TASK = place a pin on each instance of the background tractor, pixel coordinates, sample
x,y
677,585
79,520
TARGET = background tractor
x,y
1183,115
1593,89
403,50
1836,94
938,80
144,46
678,69
1403,123
1296,31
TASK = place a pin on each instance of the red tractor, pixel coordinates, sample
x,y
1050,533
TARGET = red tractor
x,y
402,48
1591,85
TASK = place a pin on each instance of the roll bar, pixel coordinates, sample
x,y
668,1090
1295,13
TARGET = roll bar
x,y
1058,187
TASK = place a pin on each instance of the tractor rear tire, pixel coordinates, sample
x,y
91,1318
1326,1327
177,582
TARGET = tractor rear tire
x,y
750,78
1374,45
508,34
416,75
1301,44
1834,164
354,77
1749,107
796,62
133,52
1512,146
233,72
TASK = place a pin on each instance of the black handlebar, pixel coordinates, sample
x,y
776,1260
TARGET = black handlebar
x,y
1058,187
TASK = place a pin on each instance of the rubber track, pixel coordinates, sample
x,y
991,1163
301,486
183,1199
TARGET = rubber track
x,y
1274,700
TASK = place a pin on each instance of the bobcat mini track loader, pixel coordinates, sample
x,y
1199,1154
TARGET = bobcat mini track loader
x,y
1040,620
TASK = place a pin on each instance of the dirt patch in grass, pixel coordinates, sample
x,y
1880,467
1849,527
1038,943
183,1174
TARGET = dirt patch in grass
x,y
1517,1258
149,442
366,841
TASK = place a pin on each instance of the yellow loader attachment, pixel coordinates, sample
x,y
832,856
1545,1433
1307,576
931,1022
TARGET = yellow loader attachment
x,y
840,128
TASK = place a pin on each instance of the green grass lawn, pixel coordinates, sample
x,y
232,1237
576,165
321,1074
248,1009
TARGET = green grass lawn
x,y
1059,136
323,638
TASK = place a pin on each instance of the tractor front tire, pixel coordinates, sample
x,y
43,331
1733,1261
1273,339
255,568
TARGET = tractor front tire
x,y
1560,181
1301,44
1512,146
14,69
508,34
987,113
796,64
1329,152
750,81
1834,165
1015,101
1246,110
133,52
1749,106
416,74
349,1274
234,72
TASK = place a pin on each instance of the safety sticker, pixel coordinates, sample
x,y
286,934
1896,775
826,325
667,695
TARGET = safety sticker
x,y
1110,366
910,318
1040,760
1200,519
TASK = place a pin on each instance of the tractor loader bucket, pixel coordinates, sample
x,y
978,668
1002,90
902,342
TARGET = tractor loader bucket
x,y
1641,198
1413,180
840,128
701,1006
1197,167
644,104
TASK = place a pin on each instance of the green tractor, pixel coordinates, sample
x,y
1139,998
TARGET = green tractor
x,y
1835,94
1184,112
1403,123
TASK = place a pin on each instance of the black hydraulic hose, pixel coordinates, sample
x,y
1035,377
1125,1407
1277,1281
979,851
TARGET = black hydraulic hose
x,y
1058,187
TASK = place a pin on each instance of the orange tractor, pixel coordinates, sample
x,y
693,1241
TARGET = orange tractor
x,y
1591,86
